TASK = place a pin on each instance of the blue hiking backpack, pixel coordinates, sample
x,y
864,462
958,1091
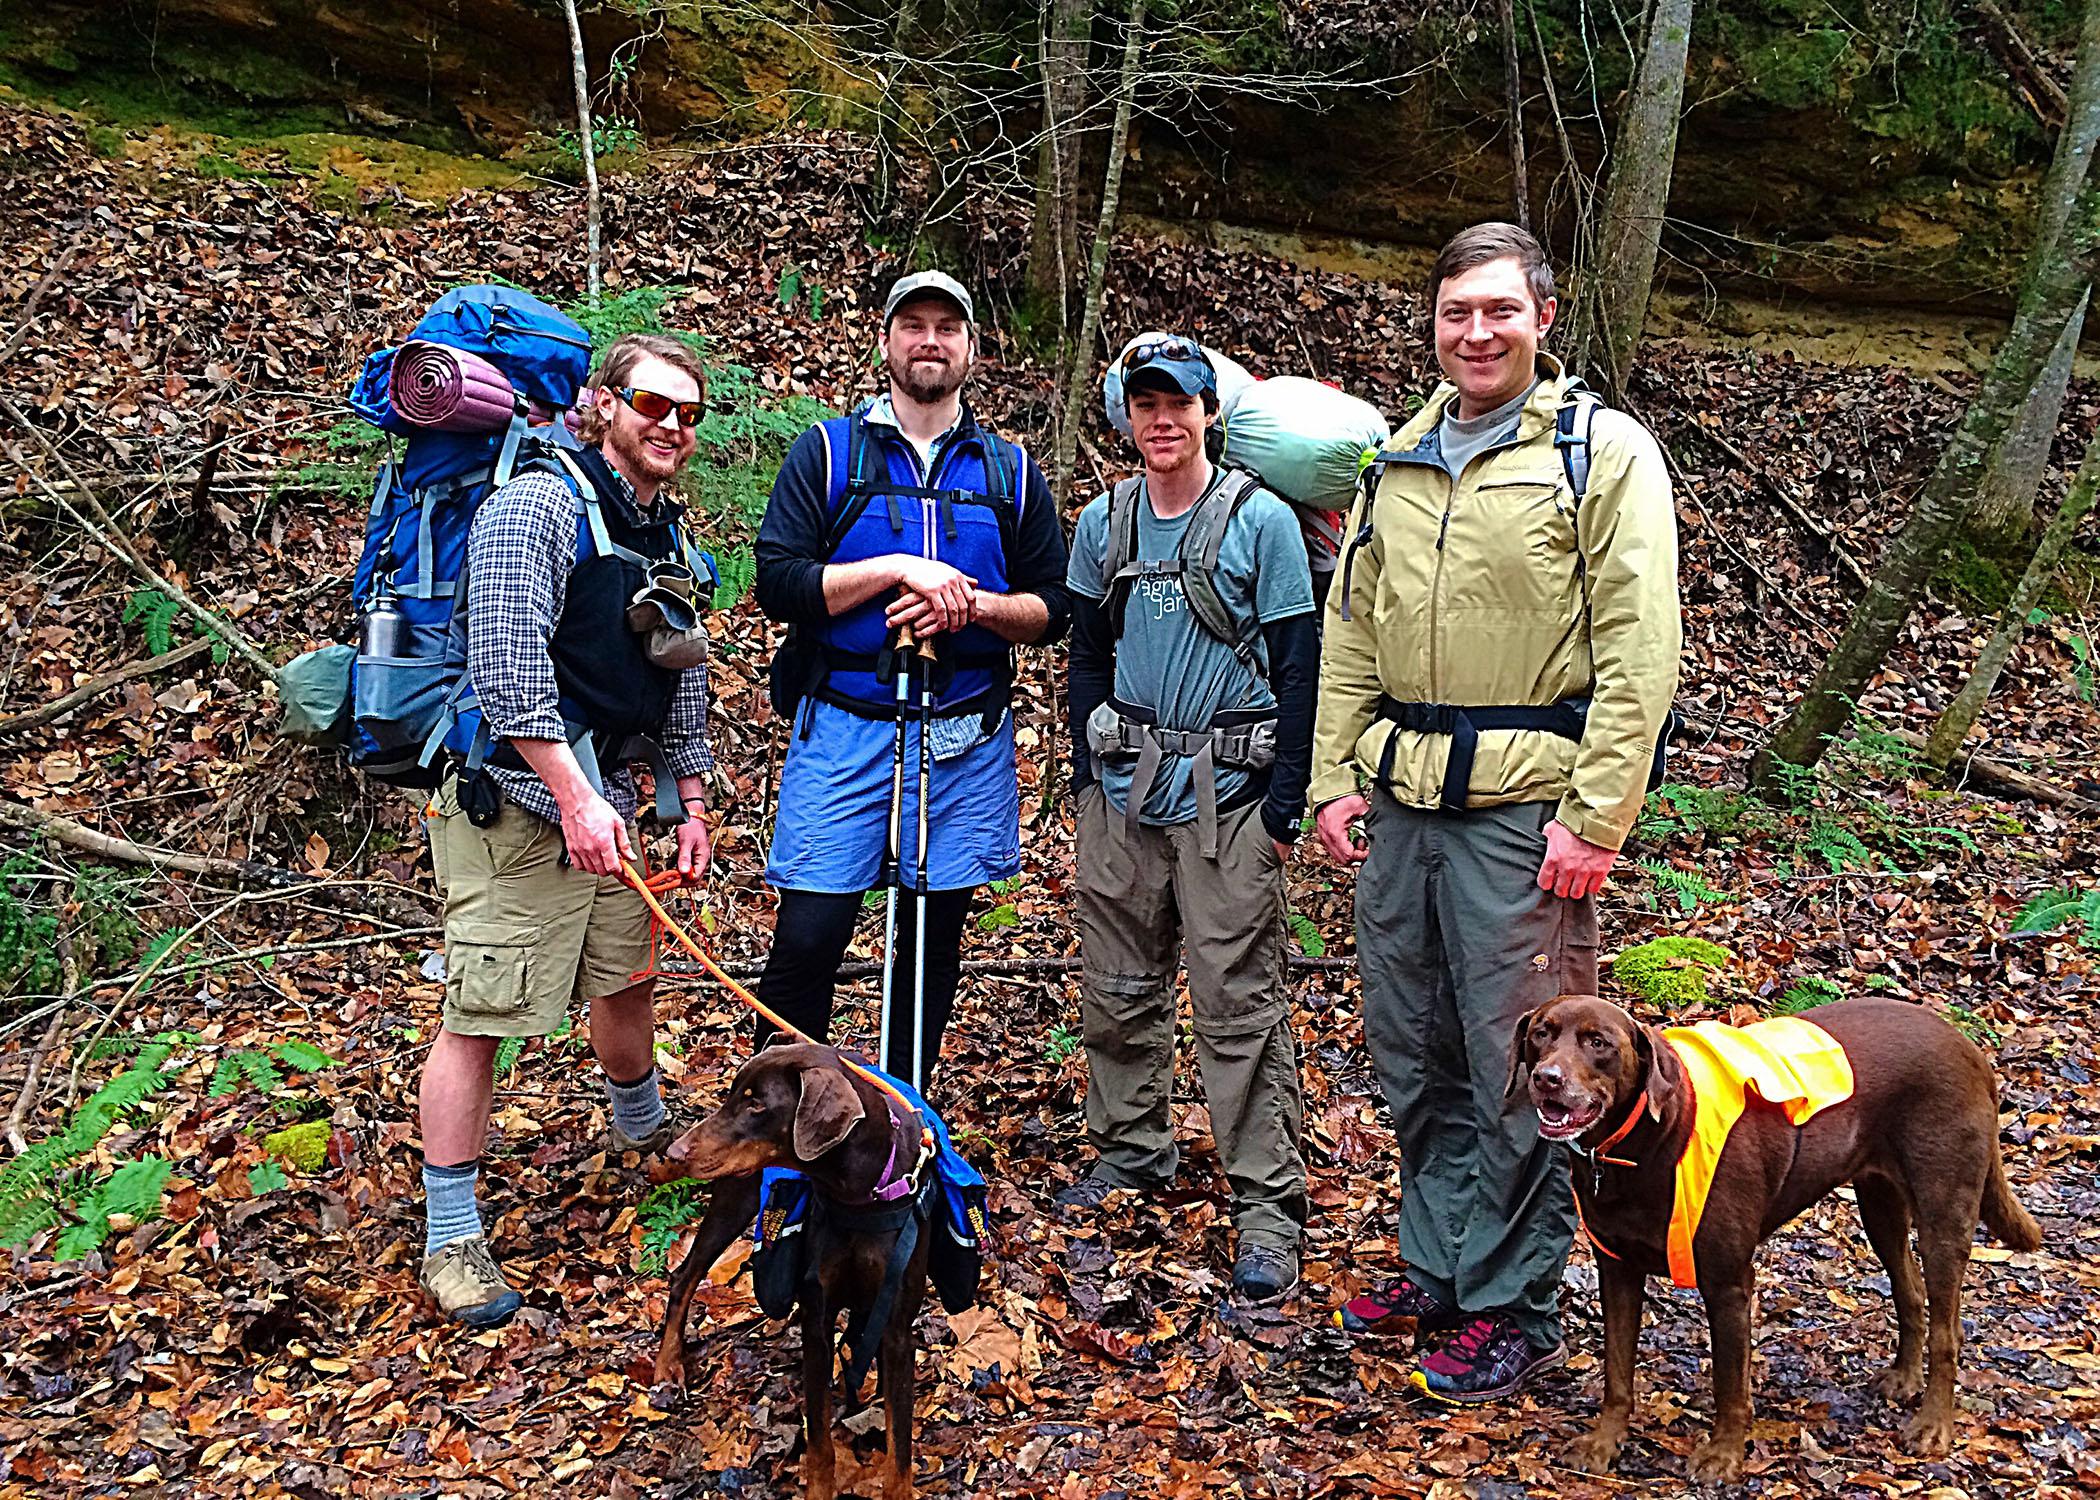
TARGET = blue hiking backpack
x,y
407,670
392,701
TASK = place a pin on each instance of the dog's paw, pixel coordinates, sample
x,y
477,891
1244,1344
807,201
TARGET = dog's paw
x,y
667,1395
1717,1461
1930,1434
1594,1452
1900,1382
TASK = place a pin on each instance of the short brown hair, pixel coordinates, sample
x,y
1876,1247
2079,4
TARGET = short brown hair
x,y
627,351
1494,240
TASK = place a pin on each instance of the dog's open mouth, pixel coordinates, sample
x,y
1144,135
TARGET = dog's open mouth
x,y
1559,1121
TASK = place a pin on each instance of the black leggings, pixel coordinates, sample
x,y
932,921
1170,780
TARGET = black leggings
x,y
809,940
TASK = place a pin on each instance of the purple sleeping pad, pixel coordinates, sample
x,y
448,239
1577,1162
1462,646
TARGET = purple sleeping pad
x,y
449,389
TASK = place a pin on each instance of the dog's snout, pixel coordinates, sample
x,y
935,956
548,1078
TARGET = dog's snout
x,y
1548,1076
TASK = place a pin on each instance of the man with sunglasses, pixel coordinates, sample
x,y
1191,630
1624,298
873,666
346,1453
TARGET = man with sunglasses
x,y
583,646
905,513
1193,666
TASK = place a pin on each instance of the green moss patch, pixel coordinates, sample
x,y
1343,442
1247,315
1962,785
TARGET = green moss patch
x,y
1671,971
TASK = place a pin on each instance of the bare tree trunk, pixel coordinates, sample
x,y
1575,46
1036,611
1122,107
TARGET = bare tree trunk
x,y
1960,715
2004,507
1053,248
1513,114
594,208
886,130
2055,289
1080,372
1613,307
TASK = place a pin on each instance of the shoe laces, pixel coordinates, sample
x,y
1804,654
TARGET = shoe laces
x,y
1468,1342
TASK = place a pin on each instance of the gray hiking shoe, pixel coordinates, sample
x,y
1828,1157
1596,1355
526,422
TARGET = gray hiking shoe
x,y
1085,1195
1264,1273
468,1284
619,1142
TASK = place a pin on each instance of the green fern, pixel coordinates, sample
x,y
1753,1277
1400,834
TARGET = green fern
x,y
133,1189
508,1051
1307,935
1687,886
301,1056
1003,915
245,1067
31,1187
739,575
155,614
2060,908
664,1214
1806,994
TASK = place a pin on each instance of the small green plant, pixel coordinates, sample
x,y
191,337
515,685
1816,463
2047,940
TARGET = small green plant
x,y
1970,1024
1688,888
155,614
2078,910
637,310
1671,971
39,1187
664,1214
1060,1044
794,286
351,452
266,1177
1712,812
1806,994
93,909
1306,934
1003,915
252,1067
608,138
508,1051
2082,671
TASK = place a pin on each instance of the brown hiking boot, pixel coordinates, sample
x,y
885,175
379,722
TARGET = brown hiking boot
x,y
468,1285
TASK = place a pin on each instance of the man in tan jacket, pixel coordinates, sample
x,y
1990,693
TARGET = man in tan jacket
x,y
1497,669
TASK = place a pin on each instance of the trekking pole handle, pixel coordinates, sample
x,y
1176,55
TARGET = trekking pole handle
x,y
924,645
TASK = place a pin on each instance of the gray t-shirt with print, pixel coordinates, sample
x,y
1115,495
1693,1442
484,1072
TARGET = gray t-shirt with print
x,y
1168,662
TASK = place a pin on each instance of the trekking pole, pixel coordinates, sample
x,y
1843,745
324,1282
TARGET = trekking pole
x,y
893,850
918,951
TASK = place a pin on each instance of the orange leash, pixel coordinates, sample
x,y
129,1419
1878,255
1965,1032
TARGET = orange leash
x,y
671,880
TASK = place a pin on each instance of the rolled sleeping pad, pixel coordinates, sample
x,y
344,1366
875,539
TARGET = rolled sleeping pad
x,y
450,390
1233,378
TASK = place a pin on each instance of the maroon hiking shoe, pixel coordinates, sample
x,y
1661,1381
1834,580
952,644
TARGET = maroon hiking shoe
x,y
1393,1309
1484,1360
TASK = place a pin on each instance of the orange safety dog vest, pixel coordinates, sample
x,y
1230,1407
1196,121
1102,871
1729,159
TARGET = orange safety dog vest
x,y
1790,1063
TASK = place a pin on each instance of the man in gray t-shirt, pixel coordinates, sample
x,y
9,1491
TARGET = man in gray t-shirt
x,y
1191,694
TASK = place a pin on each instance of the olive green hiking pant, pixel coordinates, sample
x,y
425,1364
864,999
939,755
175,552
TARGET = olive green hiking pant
x,y
1139,900
1456,941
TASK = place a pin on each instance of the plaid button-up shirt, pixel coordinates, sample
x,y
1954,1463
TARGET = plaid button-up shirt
x,y
519,556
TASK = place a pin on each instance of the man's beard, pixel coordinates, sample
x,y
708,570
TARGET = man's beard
x,y
640,457
925,383
1185,455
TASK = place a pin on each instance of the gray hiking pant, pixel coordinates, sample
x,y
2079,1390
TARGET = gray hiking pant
x,y
1456,941
1138,900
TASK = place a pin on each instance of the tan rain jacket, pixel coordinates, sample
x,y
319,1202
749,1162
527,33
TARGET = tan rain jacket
x,y
1470,594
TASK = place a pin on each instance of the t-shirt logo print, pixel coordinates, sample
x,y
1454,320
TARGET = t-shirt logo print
x,y
1162,594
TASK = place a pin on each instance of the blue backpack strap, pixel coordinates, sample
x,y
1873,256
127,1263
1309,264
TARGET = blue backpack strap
x,y
1571,435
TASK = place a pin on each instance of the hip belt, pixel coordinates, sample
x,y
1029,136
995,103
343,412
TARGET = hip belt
x,y
1238,739
1463,724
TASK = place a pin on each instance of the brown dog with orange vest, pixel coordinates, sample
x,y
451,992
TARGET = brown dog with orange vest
x,y
1694,1144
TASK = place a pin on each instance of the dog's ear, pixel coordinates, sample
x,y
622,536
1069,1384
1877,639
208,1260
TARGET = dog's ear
x,y
1660,1066
1519,1058
829,1109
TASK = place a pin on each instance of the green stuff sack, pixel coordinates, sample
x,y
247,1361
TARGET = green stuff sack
x,y
1306,440
315,689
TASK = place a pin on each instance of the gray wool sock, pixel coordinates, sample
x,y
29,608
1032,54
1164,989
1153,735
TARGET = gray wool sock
x,y
451,1212
637,1107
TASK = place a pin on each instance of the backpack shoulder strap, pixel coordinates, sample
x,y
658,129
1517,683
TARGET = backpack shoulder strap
x,y
847,475
1571,435
1119,553
1200,546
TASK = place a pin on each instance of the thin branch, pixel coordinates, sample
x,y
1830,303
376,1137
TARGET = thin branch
x,y
108,846
59,707
111,536
25,1101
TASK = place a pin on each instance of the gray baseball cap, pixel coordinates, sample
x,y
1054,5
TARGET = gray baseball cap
x,y
919,283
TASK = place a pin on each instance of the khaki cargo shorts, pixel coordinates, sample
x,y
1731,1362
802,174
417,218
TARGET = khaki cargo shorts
x,y
524,933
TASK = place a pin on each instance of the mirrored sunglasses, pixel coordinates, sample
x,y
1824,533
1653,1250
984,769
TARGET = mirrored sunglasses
x,y
656,406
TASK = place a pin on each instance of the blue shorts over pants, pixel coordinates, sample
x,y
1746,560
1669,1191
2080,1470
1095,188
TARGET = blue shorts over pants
x,y
834,813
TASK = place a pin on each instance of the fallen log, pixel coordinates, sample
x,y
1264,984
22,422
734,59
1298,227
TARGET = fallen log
x,y
59,707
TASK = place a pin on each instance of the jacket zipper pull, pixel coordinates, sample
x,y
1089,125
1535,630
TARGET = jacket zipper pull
x,y
1442,530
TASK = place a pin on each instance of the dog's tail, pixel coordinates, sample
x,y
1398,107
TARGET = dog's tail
x,y
2012,1225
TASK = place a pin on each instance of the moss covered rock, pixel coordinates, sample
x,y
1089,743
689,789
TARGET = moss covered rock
x,y
1671,971
304,1146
